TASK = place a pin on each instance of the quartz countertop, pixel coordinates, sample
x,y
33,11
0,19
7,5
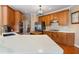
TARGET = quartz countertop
x,y
34,44
62,31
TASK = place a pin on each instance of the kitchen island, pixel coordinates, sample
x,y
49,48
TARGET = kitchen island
x,y
33,44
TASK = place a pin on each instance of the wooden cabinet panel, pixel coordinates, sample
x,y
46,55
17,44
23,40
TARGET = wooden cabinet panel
x,y
65,38
48,33
70,38
4,15
62,38
47,19
61,16
11,17
58,36
41,19
17,16
18,19
54,36
8,16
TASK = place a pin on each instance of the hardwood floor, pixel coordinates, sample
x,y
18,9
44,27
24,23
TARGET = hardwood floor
x,y
69,49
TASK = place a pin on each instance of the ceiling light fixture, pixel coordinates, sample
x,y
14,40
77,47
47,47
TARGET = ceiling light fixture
x,y
40,11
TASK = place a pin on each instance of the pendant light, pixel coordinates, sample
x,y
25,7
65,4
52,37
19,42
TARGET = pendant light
x,y
40,11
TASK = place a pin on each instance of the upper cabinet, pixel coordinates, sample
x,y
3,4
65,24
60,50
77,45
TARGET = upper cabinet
x,y
47,19
18,18
11,17
61,16
8,16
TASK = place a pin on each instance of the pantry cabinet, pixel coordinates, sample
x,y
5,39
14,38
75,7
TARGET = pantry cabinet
x,y
61,16
11,17
8,16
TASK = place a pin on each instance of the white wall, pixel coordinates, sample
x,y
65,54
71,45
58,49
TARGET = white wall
x,y
34,19
0,20
30,20
26,22
75,27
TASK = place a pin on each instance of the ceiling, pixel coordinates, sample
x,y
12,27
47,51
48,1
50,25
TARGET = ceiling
x,y
34,8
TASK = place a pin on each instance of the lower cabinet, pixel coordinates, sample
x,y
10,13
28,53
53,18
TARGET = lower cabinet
x,y
62,37
70,39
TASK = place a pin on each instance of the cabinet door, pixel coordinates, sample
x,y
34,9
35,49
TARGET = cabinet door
x,y
49,34
54,36
8,16
49,19
55,16
42,19
66,38
18,18
61,37
11,17
4,14
63,17
46,18
70,38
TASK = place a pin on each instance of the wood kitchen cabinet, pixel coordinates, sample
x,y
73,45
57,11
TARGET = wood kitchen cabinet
x,y
61,16
8,16
62,37
47,19
18,18
70,39
11,17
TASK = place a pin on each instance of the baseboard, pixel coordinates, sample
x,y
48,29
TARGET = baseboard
x,y
76,45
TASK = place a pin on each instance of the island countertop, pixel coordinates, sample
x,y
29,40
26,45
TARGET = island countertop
x,y
34,44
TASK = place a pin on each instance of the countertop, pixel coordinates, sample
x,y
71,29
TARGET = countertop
x,y
62,31
34,44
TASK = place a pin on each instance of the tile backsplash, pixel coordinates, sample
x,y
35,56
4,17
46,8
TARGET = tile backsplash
x,y
65,28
